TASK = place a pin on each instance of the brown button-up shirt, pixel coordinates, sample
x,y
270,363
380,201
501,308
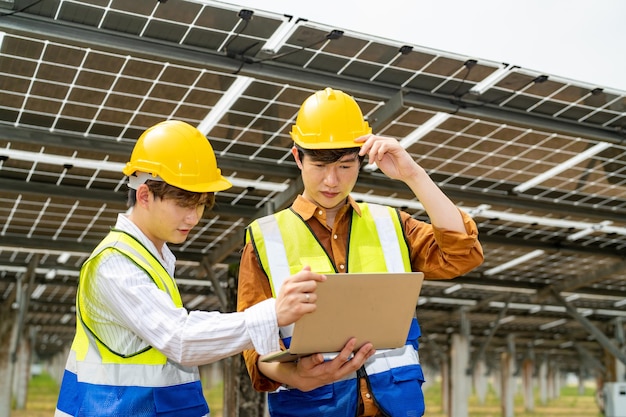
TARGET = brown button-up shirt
x,y
439,254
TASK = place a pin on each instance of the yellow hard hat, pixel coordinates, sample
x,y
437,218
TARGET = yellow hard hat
x,y
180,155
329,119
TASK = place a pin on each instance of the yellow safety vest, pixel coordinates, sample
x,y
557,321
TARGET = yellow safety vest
x,y
284,244
130,247
100,381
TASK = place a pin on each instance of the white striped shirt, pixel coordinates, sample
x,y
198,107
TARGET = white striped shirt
x,y
130,312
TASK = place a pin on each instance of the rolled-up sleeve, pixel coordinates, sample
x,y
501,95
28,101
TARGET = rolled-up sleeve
x,y
262,326
440,253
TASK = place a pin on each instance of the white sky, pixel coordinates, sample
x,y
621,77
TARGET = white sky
x,y
582,40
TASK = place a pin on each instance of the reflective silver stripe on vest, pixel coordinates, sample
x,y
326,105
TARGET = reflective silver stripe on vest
x,y
277,260
388,237
276,256
141,375
382,361
394,358
345,378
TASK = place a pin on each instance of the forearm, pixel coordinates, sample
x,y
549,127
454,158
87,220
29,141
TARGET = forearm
x,y
202,337
269,376
212,336
441,253
314,374
441,210
281,373
259,381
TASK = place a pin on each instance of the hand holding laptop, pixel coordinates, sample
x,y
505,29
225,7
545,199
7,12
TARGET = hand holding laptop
x,y
314,371
297,296
374,308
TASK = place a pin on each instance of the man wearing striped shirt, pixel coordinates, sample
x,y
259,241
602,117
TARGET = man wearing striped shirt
x,y
137,349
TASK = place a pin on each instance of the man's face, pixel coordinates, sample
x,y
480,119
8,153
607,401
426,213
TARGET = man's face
x,y
170,221
328,183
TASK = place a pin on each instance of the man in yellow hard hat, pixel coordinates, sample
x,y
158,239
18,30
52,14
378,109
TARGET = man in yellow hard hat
x,y
327,230
137,349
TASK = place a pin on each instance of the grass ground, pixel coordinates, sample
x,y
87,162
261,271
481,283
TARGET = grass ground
x,y
569,404
43,391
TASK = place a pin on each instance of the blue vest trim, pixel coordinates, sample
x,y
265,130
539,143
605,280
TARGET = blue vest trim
x,y
82,399
319,402
404,394
397,391
287,341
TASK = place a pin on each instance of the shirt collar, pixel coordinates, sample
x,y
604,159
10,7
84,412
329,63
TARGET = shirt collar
x,y
306,209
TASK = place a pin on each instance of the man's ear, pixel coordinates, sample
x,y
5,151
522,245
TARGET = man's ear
x,y
143,195
294,152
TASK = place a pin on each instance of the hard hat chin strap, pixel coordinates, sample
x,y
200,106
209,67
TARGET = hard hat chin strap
x,y
138,178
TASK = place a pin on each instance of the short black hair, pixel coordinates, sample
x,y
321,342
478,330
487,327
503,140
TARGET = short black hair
x,y
184,198
328,156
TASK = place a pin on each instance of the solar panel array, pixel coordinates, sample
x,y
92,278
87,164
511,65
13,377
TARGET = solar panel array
x,y
539,160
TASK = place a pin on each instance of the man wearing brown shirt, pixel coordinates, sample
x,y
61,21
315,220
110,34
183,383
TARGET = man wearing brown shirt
x,y
327,231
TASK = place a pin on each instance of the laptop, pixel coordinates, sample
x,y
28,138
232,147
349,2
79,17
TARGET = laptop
x,y
373,307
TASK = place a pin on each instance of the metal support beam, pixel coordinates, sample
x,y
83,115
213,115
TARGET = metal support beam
x,y
582,280
618,322
277,71
483,347
23,303
217,288
7,4
589,358
109,197
52,190
24,287
284,199
382,116
372,180
597,334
